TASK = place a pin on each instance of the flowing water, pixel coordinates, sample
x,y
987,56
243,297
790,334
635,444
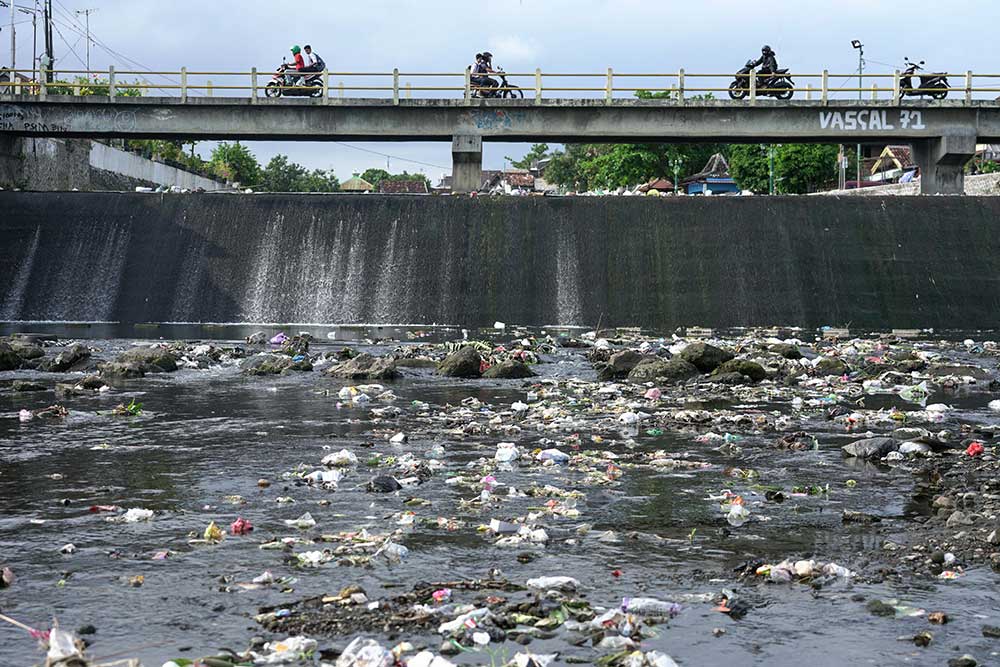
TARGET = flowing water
x,y
208,434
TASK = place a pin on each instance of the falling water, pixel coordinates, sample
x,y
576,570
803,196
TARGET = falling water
x,y
11,308
267,268
568,307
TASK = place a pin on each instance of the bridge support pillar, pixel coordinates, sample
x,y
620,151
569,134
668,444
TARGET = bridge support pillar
x,y
466,163
942,162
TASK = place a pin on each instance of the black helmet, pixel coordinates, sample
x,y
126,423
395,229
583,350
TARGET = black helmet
x,y
766,49
487,55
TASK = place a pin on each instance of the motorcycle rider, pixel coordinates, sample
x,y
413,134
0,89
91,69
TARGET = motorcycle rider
x,y
483,66
314,63
768,63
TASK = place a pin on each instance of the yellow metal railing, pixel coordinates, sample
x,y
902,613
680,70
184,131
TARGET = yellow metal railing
x,y
679,87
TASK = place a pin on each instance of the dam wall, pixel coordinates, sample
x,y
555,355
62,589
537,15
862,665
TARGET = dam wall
x,y
734,261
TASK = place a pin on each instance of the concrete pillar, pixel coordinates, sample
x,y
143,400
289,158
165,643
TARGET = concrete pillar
x,y
942,162
466,163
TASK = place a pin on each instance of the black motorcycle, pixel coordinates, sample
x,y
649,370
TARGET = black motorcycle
x,y
934,85
503,91
779,84
308,84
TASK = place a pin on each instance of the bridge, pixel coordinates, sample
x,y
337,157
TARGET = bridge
x,y
943,133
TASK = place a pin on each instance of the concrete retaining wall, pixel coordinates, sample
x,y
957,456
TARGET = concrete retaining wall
x,y
656,262
44,164
981,185
106,158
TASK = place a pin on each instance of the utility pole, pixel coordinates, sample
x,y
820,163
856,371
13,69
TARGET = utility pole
x,y
13,42
861,72
86,13
49,58
34,41
770,169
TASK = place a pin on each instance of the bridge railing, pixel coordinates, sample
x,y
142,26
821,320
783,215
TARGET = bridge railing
x,y
330,87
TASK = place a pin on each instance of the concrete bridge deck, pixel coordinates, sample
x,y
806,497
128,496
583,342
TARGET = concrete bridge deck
x,y
942,133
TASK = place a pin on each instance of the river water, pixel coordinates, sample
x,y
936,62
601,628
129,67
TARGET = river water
x,y
207,435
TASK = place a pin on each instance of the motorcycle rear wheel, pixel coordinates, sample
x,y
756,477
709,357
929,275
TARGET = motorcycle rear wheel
x,y
319,90
737,91
272,90
940,94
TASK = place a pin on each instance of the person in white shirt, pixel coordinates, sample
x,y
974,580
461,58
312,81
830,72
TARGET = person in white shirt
x,y
314,63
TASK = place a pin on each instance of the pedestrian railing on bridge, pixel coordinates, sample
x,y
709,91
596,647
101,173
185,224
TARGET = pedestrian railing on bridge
x,y
677,87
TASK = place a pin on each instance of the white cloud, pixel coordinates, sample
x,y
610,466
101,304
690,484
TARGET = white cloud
x,y
514,49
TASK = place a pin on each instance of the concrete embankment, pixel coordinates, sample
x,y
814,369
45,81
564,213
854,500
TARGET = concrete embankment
x,y
45,164
859,261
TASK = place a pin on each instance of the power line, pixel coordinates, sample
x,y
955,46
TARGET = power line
x,y
393,157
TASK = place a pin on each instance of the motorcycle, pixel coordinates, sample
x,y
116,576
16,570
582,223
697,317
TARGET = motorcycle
x,y
503,91
777,85
309,84
934,85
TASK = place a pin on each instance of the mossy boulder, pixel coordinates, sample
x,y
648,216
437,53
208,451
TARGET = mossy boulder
x,y
705,357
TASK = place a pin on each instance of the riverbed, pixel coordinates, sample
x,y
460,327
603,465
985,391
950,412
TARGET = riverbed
x,y
214,445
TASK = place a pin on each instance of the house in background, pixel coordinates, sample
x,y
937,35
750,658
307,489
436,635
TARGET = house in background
x,y
714,179
510,181
891,164
356,184
663,186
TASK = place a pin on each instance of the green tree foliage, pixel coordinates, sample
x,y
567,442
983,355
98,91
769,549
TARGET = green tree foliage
x,y
590,166
81,85
376,176
748,166
804,168
235,162
537,152
798,168
281,175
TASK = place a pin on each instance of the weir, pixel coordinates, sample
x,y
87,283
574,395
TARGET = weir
x,y
807,261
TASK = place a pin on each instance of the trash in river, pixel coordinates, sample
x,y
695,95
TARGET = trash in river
x,y
240,527
133,515
288,650
303,522
559,583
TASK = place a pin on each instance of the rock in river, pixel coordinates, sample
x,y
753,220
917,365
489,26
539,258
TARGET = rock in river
x,y
365,367
73,357
871,448
509,370
653,369
462,363
619,365
705,357
750,369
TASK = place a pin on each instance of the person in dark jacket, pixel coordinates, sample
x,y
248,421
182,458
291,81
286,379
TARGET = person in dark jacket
x,y
768,62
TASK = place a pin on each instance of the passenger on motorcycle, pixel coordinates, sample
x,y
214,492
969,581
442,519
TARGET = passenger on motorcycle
x,y
483,66
768,62
314,61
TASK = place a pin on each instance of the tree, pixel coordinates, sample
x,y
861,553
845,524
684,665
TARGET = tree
x,y
805,168
281,175
81,85
234,162
375,176
537,152
798,168
748,166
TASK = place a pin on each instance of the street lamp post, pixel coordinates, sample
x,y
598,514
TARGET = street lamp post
x,y
856,43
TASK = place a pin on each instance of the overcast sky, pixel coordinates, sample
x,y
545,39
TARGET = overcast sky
x,y
555,35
